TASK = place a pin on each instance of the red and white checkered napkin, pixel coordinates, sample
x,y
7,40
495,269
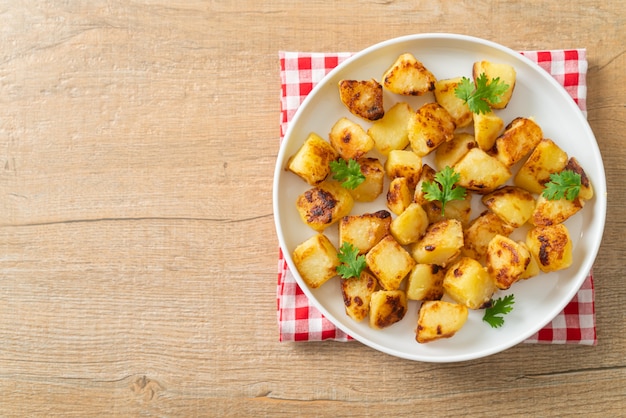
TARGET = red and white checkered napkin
x,y
298,320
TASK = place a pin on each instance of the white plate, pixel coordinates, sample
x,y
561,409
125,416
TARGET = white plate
x,y
536,94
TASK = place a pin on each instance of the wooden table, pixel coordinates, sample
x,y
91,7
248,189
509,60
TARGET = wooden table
x,y
138,251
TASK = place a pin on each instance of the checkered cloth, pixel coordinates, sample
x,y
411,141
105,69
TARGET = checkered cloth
x,y
298,320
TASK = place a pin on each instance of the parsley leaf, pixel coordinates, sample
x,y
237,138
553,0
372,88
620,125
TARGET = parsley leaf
x,y
352,264
347,172
445,190
499,307
565,184
480,95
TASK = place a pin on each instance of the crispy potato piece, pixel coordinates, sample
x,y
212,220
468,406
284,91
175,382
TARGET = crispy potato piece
x,y
349,139
547,158
389,262
550,212
366,230
519,138
316,260
551,246
387,307
439,319
481,172
363,98
427,174
446,97
487,127
460,210
357,293
409,77
425,282
505,72
481,231
430,127
449,153
399,196
507,260
403,163
533,268
391,131
586,189
410,225
441,243
312,161
323,205
374,182
513,205
467,282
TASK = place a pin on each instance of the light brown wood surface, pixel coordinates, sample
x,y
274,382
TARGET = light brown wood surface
x,y
137,246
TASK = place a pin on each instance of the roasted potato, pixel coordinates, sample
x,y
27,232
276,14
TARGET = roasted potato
x,y
519,138
439,319
312,161
389,262
316,260
445,95
349,139
441,243
481,172
460,210
366,230
357,293
427,174
487,127
467,282
387,307
391,131
513,205
323,205
430,127
410,225
425,282
403,163
363,98
409,77
507,260
480,232
449,153
547,158
373,185
586,189
492,70
551,212
551,246
399,195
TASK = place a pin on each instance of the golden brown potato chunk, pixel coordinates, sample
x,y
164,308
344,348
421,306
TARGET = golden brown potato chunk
x,y
481,172
389,262
366,230
551,212
409,77
425,282
312,161
439,319
364,98
551,246
316,260
586,189
402,163
410,225
441,243
520,137
372,186
513,205
468,283
357,293
387,307
507,260
487,127
324,205
430,127
492,70
547,158
391,132
349,139
449,153
399,195
481,231
446,97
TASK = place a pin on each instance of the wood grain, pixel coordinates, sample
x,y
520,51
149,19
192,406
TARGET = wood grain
x,y
137,245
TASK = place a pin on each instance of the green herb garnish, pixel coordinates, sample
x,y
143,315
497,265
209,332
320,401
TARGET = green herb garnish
x,y
499,307
352,264
565,184
480,95
349,173
445,190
